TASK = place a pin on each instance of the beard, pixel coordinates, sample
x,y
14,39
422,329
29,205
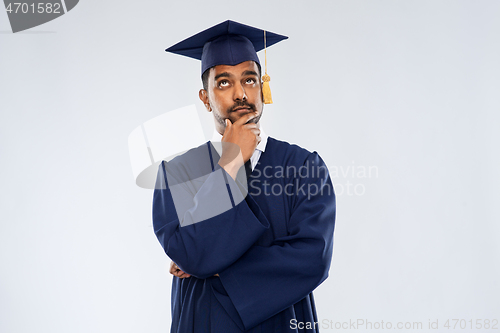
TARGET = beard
x,y
230,112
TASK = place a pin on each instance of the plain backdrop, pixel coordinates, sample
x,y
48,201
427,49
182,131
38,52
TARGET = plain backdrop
x,y
409,90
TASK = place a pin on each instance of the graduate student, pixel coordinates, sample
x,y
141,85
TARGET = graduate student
x,y
246,219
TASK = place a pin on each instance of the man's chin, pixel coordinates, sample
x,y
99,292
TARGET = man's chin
x,y
234,117
253,120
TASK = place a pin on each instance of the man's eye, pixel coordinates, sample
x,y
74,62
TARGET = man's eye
x,y
223,83
250,81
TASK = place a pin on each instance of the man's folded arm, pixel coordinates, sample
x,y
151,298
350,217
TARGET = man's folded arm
x,y
204,225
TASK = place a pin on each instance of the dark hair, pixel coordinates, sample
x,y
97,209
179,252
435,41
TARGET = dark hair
x,y
204,76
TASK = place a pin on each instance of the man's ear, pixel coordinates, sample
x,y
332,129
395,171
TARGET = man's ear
x,y
204,98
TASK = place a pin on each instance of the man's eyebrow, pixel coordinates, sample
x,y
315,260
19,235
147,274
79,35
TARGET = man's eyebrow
x,y
247,73
224,74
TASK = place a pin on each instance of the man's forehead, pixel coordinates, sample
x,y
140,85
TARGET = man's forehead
x,y
236,69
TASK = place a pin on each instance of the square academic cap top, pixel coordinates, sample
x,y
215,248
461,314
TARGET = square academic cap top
x,y
227,43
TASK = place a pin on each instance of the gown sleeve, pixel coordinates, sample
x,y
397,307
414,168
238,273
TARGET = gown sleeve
x,y
204,224
268,279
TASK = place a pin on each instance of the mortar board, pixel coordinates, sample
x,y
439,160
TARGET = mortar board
x,y
228,43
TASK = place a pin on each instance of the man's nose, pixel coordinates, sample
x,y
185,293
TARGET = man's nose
x,y
239,92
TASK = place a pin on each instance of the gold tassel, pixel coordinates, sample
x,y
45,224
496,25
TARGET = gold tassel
x,y
266,89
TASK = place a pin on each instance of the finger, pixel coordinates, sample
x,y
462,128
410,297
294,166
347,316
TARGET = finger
x,y
255,131
228,128
173,267
183,275
251,125
246,118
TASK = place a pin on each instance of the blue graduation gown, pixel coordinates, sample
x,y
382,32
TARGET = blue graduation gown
x,y
271,248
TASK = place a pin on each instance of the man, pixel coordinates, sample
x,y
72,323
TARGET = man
x,y
246,256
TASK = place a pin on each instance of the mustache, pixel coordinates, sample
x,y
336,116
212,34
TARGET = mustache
x,y
241,104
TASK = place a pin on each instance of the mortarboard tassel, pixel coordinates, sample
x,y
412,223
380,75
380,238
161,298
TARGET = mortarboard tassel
x,y
266,89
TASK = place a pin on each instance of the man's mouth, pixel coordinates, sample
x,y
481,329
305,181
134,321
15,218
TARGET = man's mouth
x,y
242,109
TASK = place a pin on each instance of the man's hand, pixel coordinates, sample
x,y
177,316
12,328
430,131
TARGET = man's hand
x,y
238,143
176,271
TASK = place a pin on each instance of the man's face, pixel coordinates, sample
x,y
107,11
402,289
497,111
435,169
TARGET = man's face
x,y
232,92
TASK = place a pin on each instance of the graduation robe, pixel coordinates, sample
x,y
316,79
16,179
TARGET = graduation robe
x,y
271,248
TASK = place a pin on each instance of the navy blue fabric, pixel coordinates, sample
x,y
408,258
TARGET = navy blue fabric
x,y
227,43
270,251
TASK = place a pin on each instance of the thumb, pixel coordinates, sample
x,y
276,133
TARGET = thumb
x,y
228,123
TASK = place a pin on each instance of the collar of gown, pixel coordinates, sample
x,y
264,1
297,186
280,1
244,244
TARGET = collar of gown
x,y
217,137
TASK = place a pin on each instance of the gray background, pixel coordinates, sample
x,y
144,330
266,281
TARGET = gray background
x,y
410,87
